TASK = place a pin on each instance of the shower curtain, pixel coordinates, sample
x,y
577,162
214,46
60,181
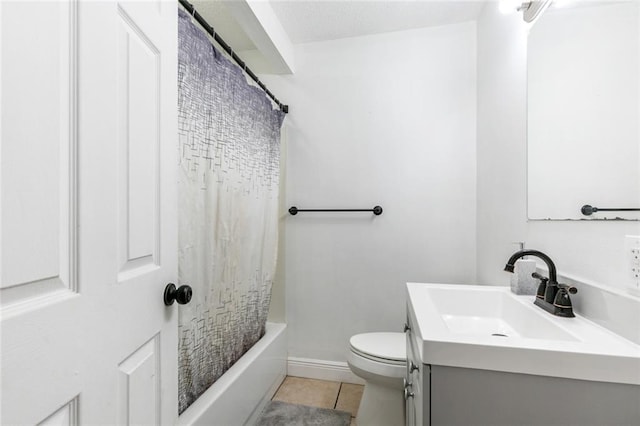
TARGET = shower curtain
x,y
229,137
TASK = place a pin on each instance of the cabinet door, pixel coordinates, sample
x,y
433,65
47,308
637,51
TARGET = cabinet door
x,y
417,375
423,405
410,412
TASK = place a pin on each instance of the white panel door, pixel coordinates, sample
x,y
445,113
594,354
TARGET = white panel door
x,y
88,121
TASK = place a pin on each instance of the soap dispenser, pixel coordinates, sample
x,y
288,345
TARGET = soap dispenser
x,y
522,282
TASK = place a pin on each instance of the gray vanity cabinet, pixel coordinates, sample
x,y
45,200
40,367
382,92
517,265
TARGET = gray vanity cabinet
x,y
437,395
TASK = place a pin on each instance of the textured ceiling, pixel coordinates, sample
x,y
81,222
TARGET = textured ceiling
x,y
320,20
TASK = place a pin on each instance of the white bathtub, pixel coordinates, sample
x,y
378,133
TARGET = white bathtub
x,y
238,397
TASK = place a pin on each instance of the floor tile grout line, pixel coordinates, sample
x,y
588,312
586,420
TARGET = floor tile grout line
x,y
335,404
341,386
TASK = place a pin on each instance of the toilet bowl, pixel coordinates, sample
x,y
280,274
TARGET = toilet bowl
x,y
380,359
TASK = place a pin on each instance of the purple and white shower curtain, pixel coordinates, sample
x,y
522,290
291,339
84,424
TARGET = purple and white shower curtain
x,y
229,139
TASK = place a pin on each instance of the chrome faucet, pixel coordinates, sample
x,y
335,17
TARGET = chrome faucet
x,y
551,296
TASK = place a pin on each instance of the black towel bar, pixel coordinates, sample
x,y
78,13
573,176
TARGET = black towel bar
x,y
377,210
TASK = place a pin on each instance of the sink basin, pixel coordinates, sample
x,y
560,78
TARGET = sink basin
x,y
490,328
476,311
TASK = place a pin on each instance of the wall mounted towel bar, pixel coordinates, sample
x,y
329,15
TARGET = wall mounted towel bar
x,y
377,210
588,210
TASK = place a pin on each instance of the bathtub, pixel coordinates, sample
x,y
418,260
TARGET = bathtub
x,y
238,397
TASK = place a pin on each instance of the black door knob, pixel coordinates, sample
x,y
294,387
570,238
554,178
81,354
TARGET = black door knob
x,y
182,294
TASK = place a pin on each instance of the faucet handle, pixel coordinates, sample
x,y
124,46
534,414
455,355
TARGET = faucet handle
x,y
562,303
539,277
571,289
542,287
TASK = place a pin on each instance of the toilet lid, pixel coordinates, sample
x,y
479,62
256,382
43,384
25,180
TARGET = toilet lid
x,y
391,346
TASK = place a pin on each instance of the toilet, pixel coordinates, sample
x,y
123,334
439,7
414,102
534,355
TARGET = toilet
x,y
380,360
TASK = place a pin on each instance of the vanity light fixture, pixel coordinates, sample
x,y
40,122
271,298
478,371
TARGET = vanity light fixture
x,y
534,8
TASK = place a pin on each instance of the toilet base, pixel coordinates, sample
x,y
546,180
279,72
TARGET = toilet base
x,y
381,406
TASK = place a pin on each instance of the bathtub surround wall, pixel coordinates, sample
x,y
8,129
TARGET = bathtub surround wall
x,y
228,205
591,252
377,120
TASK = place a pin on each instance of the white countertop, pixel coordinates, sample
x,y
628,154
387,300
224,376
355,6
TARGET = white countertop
x,y
583,351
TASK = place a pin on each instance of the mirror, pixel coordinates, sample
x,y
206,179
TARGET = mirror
x,y
584,111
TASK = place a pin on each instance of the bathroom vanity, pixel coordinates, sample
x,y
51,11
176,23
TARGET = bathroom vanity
x,y
482,355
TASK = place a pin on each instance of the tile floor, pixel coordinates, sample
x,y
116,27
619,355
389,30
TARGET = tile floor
x,y
321,393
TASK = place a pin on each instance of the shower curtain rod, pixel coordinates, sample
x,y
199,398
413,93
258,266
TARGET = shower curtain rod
x,y
192,10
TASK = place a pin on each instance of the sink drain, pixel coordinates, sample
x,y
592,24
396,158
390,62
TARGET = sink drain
x,y
499,335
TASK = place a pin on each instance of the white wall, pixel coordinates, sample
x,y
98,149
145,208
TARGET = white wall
x,y
586,250
390,120
501,141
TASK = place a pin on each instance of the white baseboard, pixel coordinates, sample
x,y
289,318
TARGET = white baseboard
x,y
322,370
